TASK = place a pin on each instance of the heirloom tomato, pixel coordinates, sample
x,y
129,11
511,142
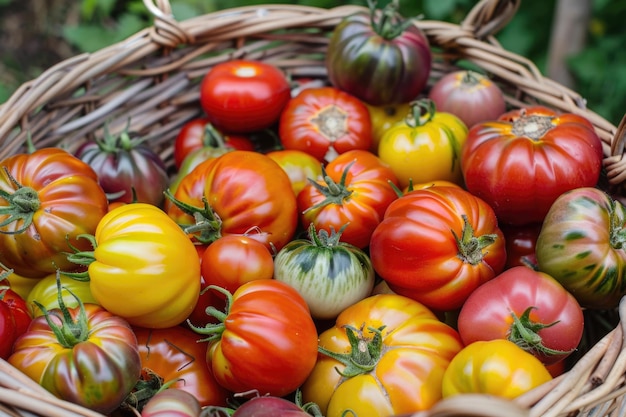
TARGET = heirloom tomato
x,y
143,267
266,339
241,96
240,192
386,355
14,319
269,406
233,260
128,169
329,274
325,122
47,199
470,96
172,402
379,57
520,244
21,285
45,293
425,147
352,194
199,134
520,163
299,166
495,367
85,355
527,307
437,245
383,117
581,245
176,359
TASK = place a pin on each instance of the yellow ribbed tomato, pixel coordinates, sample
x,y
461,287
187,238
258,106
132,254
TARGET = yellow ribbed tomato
x,y
497,367
144,268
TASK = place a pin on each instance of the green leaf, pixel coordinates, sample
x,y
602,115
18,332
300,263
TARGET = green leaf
x,y
90,38
439,9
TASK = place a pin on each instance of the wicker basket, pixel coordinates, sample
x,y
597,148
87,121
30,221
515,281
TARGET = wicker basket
x,y
152,79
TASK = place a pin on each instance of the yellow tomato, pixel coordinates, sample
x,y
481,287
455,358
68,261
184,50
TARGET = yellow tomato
x,y
496,367
383,117
21,285
45,292
299,166
425,147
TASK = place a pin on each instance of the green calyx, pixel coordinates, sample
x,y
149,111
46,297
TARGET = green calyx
x,y
525,333
388,23
70,332
214,331
114,144
207,227
365,352
422,113
334,193
21,207
324,239
470,246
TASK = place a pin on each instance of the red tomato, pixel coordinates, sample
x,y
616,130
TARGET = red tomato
x,y
175,356
522,162
520,244
240,192
199,133
233,260
266,341
325,122
198,316
354,191
14,318
437,245
527,307
470,96
244,96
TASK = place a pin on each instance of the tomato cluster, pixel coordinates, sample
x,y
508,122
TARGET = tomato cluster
x,y
391,245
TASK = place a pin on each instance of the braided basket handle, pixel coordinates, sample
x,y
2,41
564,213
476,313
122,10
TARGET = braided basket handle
x,y
487,17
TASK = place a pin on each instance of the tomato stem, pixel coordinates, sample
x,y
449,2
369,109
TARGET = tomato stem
x,y
388,24
470,246
22,205
324,239
334,193
214,330
208,225
422,112
525,333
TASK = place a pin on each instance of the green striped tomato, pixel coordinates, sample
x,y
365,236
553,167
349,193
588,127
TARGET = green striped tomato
x,y
581,244
329,274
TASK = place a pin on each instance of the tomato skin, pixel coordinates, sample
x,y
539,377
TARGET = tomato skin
x,y
325,122
487,313
520,244
241,96
198,133
469,95
383,118
368,58
268,406
233,260
495,367
407,375
418,247
21,285
520,163
14,319
424,147
581,245
71,203
172,402
268,332
246,192
96,373
356,191
299,166
46,293
140,250
176,355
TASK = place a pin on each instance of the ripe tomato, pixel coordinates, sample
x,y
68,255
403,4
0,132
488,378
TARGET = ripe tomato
x,y
175,357
581,245
266,339
240,192
21,285
233,260
299,166
529,308
379,57
520,244
199,133
354,191
424,147
522,162
383,118
470,96
15,318
386,355
241,96
325,122
47,199
46,293
437,245
269,406
495,367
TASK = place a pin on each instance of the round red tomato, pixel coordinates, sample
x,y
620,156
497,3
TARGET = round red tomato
x,y
242,96
522,162
199,133
520,244
325,122
527,307
436,245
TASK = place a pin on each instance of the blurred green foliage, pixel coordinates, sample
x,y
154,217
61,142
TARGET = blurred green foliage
x,y
599,70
